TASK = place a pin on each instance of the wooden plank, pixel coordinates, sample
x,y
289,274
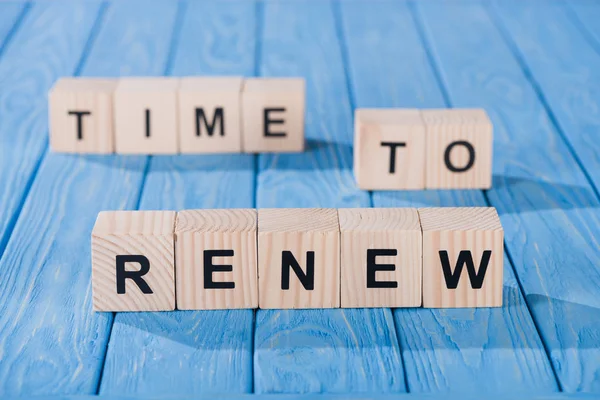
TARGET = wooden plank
x,y
51,341
547,206
563,61
443,350
25,81
193,352
338,350
12,14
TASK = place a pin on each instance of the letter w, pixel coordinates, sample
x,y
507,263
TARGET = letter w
x,y
465,257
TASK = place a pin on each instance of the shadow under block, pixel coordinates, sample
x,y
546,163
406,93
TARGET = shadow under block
x,y
298,258
210,115
146,116
462,257
459,149
216,259
81,115
133,265
273,115
389,149
381,257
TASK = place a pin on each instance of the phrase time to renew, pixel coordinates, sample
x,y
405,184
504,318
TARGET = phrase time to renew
x,y
297,258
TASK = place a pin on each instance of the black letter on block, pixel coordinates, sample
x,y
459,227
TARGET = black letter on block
x,y
465,257
79,115
136,276
210,128
147,122
288,260
209,268
393,146
273,121
373,267
471,151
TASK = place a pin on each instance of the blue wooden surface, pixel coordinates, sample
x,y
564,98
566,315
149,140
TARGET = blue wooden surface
x,y
533,66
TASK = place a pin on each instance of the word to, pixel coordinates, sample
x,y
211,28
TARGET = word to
x,y
422,149
297,258
177,115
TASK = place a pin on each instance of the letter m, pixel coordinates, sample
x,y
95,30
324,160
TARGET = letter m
x,y
465,257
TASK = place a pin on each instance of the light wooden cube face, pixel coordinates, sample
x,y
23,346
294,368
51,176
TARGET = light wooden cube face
x,y
146,116
389,152
462,257
381,251
459,149
210,115
81,115
299,258
216,259
133,265
273,115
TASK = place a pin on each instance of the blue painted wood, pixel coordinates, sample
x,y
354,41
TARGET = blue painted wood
x,y
11,15
547,207
564,63
25,81
300,351
50,340
443,350
183,352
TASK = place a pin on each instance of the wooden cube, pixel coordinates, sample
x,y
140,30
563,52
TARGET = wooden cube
x,y
459,149
133,266
273,115
210,115
216,259
381,257
389,149
298,258
462,257
81,115
146,116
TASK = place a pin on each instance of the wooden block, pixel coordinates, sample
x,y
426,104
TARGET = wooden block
x,y
210,115
81,115
389,149
273,115
459,149
381,257
298,258
216,259
146,116
462,257
133,266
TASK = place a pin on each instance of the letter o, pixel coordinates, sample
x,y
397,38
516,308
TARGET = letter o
x,y
469,148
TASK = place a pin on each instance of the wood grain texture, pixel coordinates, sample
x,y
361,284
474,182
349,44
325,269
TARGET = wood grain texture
x,y
273,115
77,133
219,98
300,231
548,208
453,230
443,350
25,82
377,132
364,229
146,233
146,116
52,342
216,346
451,163
563,56
198,231
302,41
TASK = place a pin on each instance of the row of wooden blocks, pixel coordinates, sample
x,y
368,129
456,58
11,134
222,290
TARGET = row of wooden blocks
x,y
422,149
297,258
177,115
